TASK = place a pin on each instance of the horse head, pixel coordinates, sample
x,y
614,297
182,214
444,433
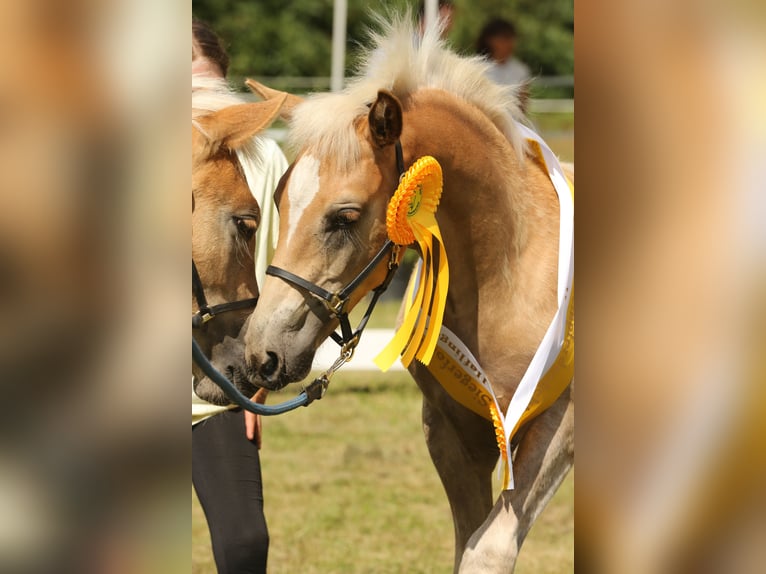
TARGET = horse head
x,y
225,217
332,213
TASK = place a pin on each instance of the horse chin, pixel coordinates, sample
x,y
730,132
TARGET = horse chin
x,y
228,357
208,391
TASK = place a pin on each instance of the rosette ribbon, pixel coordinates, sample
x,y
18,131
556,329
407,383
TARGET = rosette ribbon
x,y
410,218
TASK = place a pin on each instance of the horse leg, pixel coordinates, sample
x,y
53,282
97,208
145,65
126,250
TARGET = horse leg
x,y
463,449
544,456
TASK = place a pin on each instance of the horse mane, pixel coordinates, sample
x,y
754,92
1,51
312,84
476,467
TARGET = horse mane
x,y
210,95
400,62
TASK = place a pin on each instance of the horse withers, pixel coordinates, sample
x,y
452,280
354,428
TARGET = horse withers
x,y
225,218
499,220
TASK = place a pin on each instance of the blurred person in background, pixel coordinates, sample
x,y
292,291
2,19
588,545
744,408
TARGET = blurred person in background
x,y
209,58
497,41
226,468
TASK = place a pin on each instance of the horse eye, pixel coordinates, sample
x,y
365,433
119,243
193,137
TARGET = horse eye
x,y
346,217
245,226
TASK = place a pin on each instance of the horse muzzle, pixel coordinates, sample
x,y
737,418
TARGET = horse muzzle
x,y
272,370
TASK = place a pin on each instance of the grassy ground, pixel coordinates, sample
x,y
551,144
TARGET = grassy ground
x,y
558,132
349,488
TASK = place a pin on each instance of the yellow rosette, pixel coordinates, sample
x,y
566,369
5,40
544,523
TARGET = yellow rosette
x,y
411,218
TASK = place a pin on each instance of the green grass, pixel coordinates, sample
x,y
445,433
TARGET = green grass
x,y
561,143
553,121
350,488
558,132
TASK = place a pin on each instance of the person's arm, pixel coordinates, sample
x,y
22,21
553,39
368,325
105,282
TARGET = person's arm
x,y
253,421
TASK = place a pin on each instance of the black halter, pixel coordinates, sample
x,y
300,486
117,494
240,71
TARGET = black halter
x,y
205,312
336,302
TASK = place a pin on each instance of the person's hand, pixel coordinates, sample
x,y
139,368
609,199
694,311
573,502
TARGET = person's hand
x,y
253,421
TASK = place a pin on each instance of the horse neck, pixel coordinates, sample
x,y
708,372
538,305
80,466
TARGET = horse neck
x,y
498,213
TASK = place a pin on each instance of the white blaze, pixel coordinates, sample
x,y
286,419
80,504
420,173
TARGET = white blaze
x,y
303,187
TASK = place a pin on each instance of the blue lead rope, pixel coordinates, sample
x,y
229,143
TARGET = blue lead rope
x,y
311,393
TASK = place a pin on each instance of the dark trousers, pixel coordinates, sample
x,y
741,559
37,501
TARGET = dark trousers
x,y
226,473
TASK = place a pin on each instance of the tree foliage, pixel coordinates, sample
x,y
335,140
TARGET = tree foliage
x,y
293,37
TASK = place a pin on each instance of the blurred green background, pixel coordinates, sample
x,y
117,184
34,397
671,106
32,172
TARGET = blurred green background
x,y
272,38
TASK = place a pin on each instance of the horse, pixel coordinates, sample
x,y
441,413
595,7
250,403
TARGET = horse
x,y
499,221
225,219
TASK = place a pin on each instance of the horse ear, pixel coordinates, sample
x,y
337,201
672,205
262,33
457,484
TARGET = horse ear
x,y
268,93
234,126
385,119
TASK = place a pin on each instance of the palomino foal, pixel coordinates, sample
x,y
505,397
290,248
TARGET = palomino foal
x,y
499,219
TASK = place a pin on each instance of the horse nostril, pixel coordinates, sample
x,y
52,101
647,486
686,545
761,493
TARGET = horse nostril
x,y
271,365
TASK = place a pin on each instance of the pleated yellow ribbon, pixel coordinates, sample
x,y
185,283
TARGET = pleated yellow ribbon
x,y
411,218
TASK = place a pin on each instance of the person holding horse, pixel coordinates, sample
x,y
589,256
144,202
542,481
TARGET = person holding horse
x,y
226,471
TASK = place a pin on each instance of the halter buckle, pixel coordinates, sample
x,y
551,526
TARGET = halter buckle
x,y
347,350
393,261
335,305
204,315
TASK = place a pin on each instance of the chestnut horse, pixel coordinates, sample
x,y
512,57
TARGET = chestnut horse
x,y
499,219
225,218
